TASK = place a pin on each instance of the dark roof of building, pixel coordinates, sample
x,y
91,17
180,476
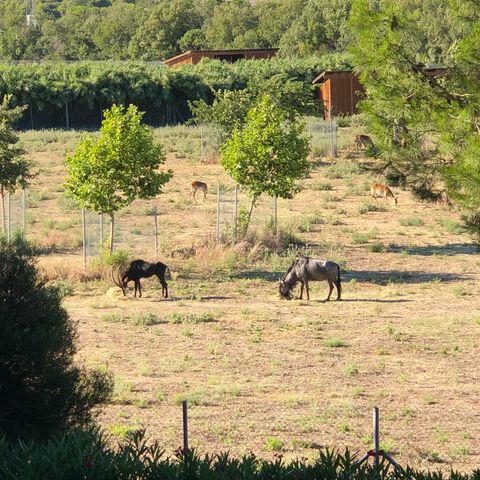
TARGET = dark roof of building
x,y
226,52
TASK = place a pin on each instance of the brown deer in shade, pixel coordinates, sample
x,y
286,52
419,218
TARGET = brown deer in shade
x,y
363,141
382,191
140,269
196,185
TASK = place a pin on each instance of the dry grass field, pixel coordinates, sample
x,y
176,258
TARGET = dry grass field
x,y
268,375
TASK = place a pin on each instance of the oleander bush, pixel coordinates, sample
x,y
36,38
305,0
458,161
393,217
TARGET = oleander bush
x,y
90,454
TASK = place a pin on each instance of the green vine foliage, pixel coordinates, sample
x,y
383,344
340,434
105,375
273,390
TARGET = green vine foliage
x,y
87,88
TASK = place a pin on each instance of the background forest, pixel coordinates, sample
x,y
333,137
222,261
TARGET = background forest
x,y
154,30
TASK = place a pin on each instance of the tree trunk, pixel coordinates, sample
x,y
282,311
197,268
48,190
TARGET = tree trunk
x,y
112,225
4,224
254,199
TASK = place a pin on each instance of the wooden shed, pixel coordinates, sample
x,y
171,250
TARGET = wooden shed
x,y
340,92
192,57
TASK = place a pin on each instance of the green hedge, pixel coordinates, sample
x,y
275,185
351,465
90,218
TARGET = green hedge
x,y
86,88
88,455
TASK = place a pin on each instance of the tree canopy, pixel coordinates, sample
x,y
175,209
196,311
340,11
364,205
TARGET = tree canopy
x,y
108,173
269,154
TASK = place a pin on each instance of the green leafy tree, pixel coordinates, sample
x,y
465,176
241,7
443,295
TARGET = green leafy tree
x,y
268,155
115,30
108,173
158,37
322,27
14,168
229,108
42,391
233,25
425,123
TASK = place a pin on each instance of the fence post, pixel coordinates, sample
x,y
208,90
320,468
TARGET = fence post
x,y
156,231
335,137
8,216
218,213
67,117
376,435
332,140
235,215
24,213
185,427
84,238
201,144
275,208
101,233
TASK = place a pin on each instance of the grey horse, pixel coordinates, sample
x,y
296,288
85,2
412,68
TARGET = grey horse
x,y
304,269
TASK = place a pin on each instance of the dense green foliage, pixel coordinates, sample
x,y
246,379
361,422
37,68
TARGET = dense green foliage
x,y
90,87
425,125
42,391
229,107
158,29
14,169
109,172
89,455
268,154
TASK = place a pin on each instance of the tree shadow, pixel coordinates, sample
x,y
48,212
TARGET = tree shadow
x,y
428,250
396,276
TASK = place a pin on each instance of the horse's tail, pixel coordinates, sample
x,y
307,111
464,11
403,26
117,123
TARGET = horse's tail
x,y
339,283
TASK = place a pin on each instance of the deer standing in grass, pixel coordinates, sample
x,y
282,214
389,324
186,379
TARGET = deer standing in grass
x,y
380,190
363,141
198,186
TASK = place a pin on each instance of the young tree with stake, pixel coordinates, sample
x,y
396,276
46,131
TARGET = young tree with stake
x,y
108,173
14,168
269,154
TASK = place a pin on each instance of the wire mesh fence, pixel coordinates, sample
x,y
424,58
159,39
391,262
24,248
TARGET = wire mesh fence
x,y
15,214
233,206
323,136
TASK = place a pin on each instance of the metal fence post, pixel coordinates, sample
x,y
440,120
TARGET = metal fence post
x,y
156,230
84,238
275,208
376,436
185,427
8,216
235,216
218,213
24,214
101,232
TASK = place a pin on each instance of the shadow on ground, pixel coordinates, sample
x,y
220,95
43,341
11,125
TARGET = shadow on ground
x,y
428,250
396,276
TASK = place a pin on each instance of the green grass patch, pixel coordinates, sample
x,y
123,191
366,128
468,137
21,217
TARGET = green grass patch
x,y
411,222
368,206
335,343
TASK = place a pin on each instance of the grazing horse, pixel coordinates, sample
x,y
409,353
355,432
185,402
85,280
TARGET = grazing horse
x,y
304,269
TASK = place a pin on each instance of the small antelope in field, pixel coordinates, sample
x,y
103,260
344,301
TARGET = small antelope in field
x,y
363,141
380,190
198,186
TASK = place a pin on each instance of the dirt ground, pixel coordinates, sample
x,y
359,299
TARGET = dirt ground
x,y
273,376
